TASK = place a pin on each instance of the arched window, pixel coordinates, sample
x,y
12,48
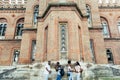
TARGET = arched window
x,y
109,56
36,12
19,26
3,26
104,24
118,24
89,16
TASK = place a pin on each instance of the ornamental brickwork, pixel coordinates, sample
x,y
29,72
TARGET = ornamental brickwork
x,y
41,30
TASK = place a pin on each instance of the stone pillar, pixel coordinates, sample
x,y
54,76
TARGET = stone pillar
x,y
9,34
100,53
25,48
86,41
95,14
52,46
40,42
42,3
73,41
82,6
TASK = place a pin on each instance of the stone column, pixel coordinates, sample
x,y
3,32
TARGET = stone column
x,y
40,42
52,46
73,41
42,3
25,49
86,42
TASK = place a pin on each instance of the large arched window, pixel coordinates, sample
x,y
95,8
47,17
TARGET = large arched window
x,y
118,24
104,24
3,26
89,16
36,12
19,26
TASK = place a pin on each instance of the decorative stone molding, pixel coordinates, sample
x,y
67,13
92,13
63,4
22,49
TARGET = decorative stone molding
x,y
12,7
109,7
111,38
60,5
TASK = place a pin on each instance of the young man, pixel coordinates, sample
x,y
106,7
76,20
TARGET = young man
x,y
78,70
58,68
47,71
70,71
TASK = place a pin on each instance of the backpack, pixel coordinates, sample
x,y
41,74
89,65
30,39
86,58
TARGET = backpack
x,y
62,72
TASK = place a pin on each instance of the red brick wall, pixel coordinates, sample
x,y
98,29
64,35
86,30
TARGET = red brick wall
x,y
7,50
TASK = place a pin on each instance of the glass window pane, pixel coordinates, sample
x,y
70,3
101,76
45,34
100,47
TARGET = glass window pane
x,y
19,27
88,10
105,28
63,37
3,26
36,12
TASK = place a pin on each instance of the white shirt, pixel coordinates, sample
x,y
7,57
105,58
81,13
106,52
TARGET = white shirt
x,y
48,67
77,68
69,68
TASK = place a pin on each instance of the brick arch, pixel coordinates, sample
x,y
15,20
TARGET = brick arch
x,y
17,18
3,20
106,18
103,18
7,18
116,18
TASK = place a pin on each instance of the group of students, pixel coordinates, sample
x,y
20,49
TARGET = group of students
x,y
60,70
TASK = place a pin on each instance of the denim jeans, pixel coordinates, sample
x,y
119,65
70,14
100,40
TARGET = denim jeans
x,y
78,76
59,77
70,77
46,76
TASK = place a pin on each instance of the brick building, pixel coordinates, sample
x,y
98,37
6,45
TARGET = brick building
x,y
40,30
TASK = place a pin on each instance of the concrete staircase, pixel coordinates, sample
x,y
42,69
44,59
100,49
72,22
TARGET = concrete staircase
x,y
36,72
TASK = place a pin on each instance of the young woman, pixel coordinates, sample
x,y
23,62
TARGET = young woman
x,y
78,70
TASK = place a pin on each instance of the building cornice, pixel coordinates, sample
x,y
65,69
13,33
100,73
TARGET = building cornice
x,y
10,39
12,7
111,38
95,28
60,5
109,7
29,29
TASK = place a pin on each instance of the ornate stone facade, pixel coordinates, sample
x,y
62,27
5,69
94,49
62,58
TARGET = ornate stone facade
x,y
59,29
